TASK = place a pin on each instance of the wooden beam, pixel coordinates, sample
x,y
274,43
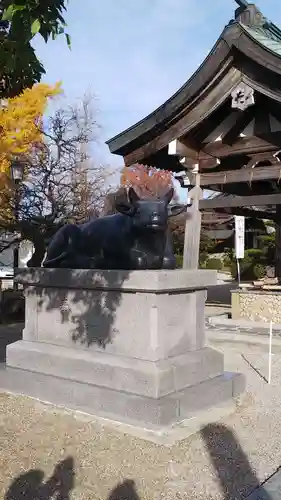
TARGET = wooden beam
x,y
255,214
190,155
245,145
211,124
262,121
192,230
274,110
247,189
216,218
240,201
180,147
239,175
208,164
243,120
261,157
177,148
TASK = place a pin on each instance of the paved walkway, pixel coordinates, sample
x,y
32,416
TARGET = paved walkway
x,y
270,490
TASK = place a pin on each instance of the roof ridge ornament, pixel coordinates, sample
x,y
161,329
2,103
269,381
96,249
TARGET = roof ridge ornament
x,y
242,3
249,14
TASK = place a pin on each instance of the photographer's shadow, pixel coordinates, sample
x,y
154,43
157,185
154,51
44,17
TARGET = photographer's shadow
x,y
231,465
31,485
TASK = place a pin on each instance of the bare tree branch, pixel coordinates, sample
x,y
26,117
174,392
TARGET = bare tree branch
x,y
63,185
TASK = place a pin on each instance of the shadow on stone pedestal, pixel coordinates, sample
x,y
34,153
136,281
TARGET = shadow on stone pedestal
x,y
129,346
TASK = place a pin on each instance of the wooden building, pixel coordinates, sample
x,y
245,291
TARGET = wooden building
x,y
224,125
220,227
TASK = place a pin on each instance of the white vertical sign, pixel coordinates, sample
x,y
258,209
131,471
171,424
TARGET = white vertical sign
x,y
239,236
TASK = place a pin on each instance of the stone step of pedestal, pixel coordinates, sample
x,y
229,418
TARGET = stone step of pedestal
x,y
120,406
136,376
129,347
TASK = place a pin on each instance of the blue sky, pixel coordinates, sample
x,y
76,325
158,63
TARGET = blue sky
x,y
134,54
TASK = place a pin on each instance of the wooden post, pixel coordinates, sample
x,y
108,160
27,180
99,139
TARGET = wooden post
x,y
193,227
278,243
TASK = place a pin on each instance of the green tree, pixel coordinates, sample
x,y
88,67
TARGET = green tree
x,y
207,245
177,227
20,21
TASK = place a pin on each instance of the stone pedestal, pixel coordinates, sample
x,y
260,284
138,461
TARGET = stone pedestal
x,y
129,346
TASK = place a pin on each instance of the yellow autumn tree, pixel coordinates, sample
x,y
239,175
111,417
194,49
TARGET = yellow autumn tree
x,y
21,121
20,130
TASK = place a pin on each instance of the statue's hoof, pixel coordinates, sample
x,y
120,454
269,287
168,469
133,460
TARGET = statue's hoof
x,y
169,263
140,263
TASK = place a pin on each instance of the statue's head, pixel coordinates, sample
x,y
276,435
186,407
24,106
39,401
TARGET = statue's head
x,y
148,213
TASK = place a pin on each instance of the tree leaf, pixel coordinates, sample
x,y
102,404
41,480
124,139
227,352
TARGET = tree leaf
x,y
18,7
68,40
8,13
11,10
60,30
23,19
35,27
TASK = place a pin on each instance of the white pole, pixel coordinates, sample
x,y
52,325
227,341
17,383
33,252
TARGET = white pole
x,y
270,353
238,272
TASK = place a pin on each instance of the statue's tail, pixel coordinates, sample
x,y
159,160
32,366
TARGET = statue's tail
x,y
56,260
63,246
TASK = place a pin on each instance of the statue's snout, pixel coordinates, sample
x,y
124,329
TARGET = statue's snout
x,y
156,218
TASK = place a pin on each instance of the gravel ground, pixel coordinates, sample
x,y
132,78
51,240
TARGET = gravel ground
x,y
59,451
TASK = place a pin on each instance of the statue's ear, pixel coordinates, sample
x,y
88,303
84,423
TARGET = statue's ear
x,y
132,196
123,205
174,210
168,196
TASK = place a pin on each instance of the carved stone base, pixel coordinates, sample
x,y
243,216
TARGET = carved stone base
x,y
127,346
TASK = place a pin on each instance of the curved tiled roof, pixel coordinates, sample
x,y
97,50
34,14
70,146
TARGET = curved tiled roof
x,y
263,31
256,31
267,35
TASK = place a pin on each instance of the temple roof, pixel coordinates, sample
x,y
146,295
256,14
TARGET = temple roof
x,y
249,49
269,36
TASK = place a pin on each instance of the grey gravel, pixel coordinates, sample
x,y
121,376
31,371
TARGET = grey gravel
x,y
225,461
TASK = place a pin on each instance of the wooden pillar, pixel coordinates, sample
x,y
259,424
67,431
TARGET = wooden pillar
x,y
278,242
193,228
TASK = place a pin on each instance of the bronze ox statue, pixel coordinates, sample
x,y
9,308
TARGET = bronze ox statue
x,y
137,237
